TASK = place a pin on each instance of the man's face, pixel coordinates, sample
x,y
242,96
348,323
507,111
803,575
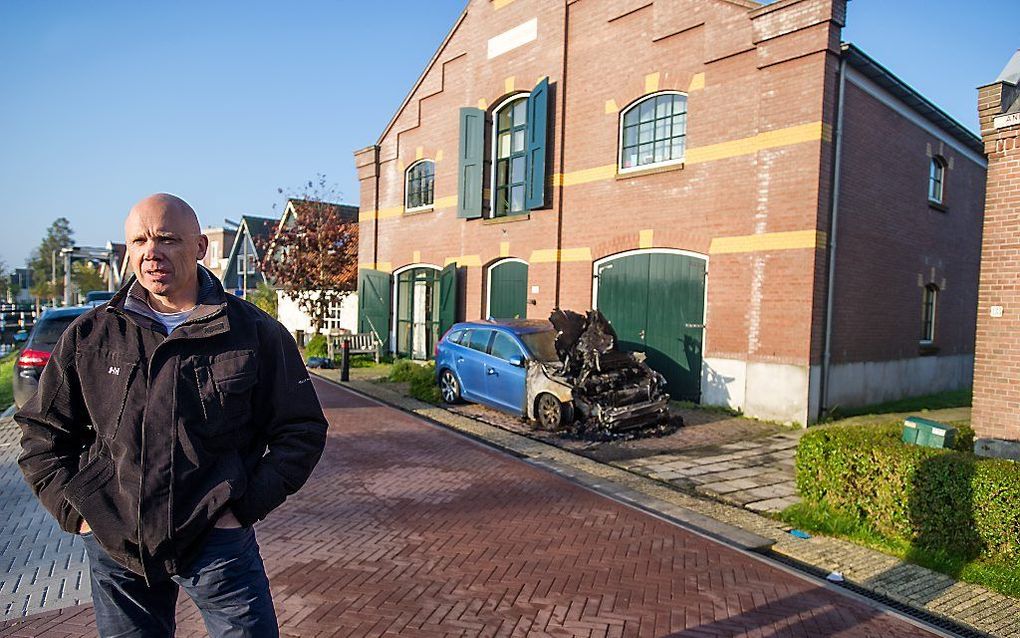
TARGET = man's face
x,y
164,243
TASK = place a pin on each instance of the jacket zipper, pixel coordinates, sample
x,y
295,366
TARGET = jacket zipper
x,y
145,412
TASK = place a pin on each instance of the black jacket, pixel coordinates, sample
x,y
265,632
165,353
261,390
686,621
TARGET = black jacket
x,y
149,438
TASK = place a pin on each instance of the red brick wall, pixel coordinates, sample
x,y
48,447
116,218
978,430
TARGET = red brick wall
x,y
997,359
891,243
764,71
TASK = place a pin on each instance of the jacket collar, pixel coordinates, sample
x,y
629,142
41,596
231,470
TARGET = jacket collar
x,y
212,299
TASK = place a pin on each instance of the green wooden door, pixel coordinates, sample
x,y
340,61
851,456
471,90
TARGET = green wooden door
x,y
374,304
656,303
508,290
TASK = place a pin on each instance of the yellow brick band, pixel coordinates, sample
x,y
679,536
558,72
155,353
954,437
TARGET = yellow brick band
x,y
504,249
384,266
551,255
652,82
697,82
499,4
646,239
770,139
811,132
445,202
464,260
789,240
416,257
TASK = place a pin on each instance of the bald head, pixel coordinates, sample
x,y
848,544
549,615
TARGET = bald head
x,y
165,242
167,206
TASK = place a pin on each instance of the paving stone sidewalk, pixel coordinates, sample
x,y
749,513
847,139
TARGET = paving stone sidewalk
x,y
41,567
969,605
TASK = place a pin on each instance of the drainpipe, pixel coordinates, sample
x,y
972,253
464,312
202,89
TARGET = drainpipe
x,y
562,91
833,219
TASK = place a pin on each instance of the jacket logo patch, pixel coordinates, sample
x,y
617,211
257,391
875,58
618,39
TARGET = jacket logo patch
x,y
113,370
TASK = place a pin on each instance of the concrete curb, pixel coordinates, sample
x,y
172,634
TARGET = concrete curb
x,y
972,608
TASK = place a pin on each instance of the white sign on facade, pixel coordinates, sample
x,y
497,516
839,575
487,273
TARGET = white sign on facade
x,y
1003,121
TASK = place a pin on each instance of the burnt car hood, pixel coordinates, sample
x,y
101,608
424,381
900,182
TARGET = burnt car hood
x,y
612,391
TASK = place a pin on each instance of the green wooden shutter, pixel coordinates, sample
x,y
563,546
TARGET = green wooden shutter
x,y
538,116
471,157
447,298
374,303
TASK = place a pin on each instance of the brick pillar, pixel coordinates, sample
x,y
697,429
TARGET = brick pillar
x,y
366,161
996,414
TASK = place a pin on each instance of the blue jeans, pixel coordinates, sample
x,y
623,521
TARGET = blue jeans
x,y
227,582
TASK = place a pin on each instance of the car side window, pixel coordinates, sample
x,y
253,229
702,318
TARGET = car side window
x,y
504,347
456,336
480,340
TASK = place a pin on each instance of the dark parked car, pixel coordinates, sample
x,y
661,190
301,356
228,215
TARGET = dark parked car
x,y
33,358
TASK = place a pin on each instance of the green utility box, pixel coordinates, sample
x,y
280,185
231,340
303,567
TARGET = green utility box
x,y
918,431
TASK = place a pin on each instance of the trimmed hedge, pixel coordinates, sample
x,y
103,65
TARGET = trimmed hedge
x,y
939,500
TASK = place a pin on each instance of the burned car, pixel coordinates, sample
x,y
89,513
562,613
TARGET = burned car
x,y
565,374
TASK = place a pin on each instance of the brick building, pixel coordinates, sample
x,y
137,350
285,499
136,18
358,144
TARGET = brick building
x,y
679,164
996,415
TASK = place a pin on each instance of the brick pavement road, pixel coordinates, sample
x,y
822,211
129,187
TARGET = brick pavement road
x,y
408,529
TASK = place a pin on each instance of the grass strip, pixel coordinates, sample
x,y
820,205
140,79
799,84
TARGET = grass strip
x,y
818,519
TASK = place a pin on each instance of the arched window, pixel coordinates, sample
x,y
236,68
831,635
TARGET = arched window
x,y
931,292
420,188
653,131
936,178
510,124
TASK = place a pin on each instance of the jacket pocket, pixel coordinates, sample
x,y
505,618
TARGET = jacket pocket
x,y
226,387
96,494
105,380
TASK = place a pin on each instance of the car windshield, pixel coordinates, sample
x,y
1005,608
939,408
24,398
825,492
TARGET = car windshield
x,y
48,331
541,344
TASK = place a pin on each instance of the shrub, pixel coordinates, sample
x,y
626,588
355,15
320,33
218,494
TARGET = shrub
x,y
402,370
424,386
422,379
316,346
937,500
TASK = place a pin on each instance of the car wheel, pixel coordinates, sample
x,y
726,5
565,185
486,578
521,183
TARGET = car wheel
x,y
449,387
551,413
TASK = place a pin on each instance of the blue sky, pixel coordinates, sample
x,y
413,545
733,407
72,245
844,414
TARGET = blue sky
x,y
222,102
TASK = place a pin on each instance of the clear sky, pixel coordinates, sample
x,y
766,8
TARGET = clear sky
x,y
104,102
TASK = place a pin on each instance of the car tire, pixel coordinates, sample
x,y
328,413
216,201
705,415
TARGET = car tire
x,y
449,387
551,413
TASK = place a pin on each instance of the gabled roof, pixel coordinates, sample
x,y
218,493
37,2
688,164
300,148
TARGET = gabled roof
x,y
924,107
254,227
296,206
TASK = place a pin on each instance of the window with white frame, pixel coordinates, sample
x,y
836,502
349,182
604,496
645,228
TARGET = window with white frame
x,y
936,179
653,131
420,185
510,130
931,292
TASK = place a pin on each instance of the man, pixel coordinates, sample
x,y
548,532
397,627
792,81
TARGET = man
x,y
166,423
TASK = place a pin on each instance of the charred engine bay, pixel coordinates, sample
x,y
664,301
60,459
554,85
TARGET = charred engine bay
x,y
616,394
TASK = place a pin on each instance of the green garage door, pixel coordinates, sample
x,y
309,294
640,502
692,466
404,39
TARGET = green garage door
x,y
656,303
508,290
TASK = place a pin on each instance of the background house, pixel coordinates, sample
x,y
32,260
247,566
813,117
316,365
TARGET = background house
x,y
343,317
242,273
221,241
779,222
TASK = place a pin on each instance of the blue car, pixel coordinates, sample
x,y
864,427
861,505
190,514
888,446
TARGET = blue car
x,y
501,364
